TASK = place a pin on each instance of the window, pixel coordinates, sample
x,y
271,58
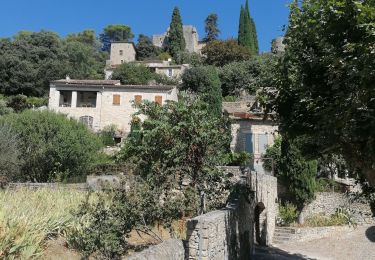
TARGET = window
x,y
263,143
86,98
87,121
121,52
116,100
137,99
159,100
249,147
170,73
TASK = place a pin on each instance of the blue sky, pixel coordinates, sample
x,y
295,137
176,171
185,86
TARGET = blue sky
x,y
143,16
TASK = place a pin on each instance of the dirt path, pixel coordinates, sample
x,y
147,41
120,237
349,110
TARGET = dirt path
x,y
358,244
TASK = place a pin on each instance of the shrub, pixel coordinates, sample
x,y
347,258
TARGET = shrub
x,y
10,160
53,147
133,74
238,159
107,135
288,213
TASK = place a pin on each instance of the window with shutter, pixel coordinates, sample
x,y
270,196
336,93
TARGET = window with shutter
x,y
159,100
138,99
116,100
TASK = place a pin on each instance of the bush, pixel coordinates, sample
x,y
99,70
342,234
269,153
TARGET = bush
x,y
53,147
288,213
133,74
107,135
238,159
10,160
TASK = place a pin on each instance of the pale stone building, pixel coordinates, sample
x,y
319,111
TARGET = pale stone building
x,y
122,52
101,103
191,38
250,132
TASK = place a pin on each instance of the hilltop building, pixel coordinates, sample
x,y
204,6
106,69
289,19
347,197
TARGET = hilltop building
x,y
125,52
101,103
191,38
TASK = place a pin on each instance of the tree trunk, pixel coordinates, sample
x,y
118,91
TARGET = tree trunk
x,y
370,176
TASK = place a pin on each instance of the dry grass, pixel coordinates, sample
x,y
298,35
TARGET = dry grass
x,y
29,217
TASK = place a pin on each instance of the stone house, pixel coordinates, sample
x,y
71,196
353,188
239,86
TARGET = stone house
x,y
250,131
125,52
191,38
101,103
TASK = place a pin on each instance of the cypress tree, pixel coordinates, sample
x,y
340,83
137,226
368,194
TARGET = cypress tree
x,y
247,34
175,39
211,28
241,28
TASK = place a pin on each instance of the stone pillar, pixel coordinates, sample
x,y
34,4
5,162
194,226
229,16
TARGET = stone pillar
x,y
74,98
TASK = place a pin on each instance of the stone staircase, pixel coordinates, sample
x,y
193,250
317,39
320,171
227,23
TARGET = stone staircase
x,y
283,235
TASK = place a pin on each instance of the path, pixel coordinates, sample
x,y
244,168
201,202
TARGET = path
x,y
354,245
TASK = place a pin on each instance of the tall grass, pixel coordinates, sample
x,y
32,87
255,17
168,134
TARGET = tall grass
x,y
28,217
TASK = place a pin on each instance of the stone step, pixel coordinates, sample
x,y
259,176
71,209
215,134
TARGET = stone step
x,y
282,235
285,231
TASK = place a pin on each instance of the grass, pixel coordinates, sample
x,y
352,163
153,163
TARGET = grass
x,y
29,217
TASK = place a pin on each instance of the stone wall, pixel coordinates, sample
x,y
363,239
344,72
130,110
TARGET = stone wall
x,y
326,203
222,234
172,249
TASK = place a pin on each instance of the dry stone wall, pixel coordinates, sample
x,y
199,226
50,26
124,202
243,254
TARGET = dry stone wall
x,y
172,249
326,203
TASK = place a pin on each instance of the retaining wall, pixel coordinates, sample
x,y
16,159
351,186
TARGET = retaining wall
x,y
172,249
326,203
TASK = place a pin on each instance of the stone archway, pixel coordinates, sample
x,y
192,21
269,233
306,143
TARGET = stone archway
x,y
260,224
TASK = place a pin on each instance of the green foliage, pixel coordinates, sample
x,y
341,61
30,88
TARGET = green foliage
x,y
288,213
107,135
145,48
340,218
211,28
30,60
205,81
4,109
238,159
180,141
133,74
175,39
87,37
219,53
273,152
326,94
185,57
164,56
250,75
118,32
52,146
10,160
247,34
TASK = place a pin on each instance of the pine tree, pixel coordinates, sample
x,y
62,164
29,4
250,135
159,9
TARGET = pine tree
x,y
175,39
211,28
247,35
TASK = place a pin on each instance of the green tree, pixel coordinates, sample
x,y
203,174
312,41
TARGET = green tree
x,y
219,53
133,74
326,92
87,37
180,142
205,81
146,49
114,33
175,39
247,34
211,28
52,146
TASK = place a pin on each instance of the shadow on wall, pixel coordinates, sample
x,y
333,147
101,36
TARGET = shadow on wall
x,y
272,253
370,234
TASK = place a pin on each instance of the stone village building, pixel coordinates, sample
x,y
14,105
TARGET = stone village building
x,y
250,131
125,52
101,103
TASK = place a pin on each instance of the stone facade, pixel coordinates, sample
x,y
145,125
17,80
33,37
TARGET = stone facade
x,y
122,52
250,132
103,103
191,39
172,249
326,204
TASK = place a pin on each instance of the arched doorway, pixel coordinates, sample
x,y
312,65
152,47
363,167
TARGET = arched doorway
x,y
260,222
